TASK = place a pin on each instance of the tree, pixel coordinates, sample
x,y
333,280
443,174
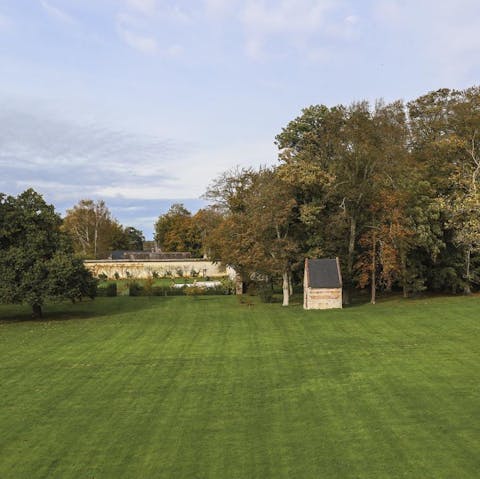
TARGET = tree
x,y
445,127
93,230
175,231
336,159
257,235
134,238
204,222
36,258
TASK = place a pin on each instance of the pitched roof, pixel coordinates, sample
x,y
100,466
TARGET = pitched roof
x,y
323,273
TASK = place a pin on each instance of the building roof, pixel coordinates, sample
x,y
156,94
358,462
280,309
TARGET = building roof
x,y
323,273
149,255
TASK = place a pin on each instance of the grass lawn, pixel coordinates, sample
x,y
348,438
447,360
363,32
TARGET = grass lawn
x,y
204,387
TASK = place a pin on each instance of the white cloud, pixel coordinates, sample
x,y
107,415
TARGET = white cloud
x,y
287,16
5,22
141,43
173,51
75,160
69,161
296,22
220,8
351,19
56,13
444,33
144,6
138,32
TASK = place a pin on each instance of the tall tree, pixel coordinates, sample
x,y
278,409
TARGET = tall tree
x,y
336,159
445,126
36,258
204,222
93,230
257,235
133,238
175,231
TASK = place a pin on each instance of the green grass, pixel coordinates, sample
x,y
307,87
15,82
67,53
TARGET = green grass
x,y
208,388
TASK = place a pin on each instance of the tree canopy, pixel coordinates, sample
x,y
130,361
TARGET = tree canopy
x,y
36,258
391,189
179,230
95,233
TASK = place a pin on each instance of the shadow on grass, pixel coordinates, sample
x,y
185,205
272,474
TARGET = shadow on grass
x,y
82,310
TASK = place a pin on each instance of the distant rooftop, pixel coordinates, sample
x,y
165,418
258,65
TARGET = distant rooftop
x,y
120,255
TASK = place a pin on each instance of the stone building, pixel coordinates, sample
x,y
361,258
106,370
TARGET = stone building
x,y
322,284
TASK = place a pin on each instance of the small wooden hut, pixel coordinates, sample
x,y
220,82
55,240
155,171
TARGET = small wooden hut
x,y
322,284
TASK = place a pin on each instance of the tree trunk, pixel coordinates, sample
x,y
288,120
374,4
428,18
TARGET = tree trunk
x,y
290,284
95,242
374,268
286,288
403,261
467,289
36,311
238,284
351,250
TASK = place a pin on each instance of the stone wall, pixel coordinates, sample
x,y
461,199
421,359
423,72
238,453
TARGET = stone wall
x,y
145,269
323,298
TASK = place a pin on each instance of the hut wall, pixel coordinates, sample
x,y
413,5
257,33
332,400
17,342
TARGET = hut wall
x,y
323,298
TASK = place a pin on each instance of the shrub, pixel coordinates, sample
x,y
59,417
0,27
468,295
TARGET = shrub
x,y
228,285
111,290
148,285
179,272
251,289
265,292
195,291
135,289
116,275
155,275
102,277
167,291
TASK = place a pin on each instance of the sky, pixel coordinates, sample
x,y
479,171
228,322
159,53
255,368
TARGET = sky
x,y
142,103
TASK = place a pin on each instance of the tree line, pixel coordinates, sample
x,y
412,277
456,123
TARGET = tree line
x,y
392,189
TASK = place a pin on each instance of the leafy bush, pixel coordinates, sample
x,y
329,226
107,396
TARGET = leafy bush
x,y
265,292
167,291
109,290
147,286
102,277
116,275
195,291
228,285
155,275
135,289
251,289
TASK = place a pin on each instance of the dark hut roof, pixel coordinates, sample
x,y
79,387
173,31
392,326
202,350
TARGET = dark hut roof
x,y
323,273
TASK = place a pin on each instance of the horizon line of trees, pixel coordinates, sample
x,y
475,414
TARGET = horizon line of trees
x,y
392,189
